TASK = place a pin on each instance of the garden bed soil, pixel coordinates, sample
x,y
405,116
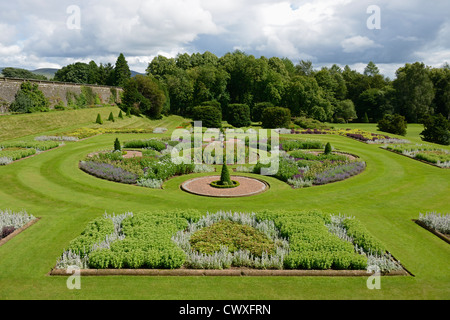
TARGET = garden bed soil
x,y
17,231
232,272
444,237
201,186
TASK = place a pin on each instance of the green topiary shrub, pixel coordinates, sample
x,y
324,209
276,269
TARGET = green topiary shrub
x,y
258,110
437,130
120,115
225,176
328,149
276,117
111,117
211,117
117,146
99,119
239,115
395,124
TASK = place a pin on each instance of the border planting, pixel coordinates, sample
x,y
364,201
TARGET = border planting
x,y
164,240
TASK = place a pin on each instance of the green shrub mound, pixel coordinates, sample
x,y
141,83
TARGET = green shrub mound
x,y
218,184
187,238
234,235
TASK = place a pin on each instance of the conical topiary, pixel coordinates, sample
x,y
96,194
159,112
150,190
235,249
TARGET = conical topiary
x,y
99,119
328,148
117,146
128,113
225,176
120,115
111,117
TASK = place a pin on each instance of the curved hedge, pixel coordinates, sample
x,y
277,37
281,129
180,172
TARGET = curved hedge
x,y
216,184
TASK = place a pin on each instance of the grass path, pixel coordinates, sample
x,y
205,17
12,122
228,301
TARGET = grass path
x,y
386,197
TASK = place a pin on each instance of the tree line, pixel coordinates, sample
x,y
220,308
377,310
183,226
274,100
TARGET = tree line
x,y
331,94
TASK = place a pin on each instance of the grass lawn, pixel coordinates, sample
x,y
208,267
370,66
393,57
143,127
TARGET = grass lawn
x,y
391,192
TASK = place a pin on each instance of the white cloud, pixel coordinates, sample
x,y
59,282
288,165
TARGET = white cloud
x,y
358,44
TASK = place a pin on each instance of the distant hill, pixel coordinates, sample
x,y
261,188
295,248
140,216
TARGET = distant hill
x,y
50,72
47,72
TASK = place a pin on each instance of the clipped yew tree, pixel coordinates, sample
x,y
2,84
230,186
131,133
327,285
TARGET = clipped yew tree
x,y
393,123
239,115
211,117
99,119
258,110
276,117
117,146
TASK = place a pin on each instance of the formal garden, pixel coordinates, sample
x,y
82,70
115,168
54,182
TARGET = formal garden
x,y
108,199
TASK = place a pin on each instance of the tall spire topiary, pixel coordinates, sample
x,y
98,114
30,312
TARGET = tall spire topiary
x,y
225,176
117,146
111,117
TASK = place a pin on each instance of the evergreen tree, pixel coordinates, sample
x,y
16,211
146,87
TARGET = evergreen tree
x,y
117,146
111,117
99,119
121,71
225,176
120,115
128,114
328,148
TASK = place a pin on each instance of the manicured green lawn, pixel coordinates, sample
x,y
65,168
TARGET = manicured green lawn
x,y
391,192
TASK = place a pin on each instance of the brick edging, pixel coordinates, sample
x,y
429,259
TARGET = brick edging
x,y
228,273
436,233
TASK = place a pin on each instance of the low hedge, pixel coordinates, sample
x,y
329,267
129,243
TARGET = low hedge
x,y
216,184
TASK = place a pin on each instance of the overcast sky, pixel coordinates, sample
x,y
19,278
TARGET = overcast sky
x,y
44,33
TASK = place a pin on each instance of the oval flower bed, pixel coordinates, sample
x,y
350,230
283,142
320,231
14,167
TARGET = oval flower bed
x,y
304,165
188,239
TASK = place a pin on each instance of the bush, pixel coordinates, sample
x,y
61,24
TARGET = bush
x,y
143,95
395,124
111,117
225,176
328,149
437,130
99,119
211,117
29,99
239,115
258,110
117,146
120,115
276,117
308,123
147,144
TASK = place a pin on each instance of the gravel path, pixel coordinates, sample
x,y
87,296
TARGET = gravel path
x,y
201,186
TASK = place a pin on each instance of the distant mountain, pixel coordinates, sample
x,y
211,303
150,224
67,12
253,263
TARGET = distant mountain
x,y
47,72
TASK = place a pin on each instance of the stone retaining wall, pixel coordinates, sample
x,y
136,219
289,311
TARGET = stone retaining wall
x,y
54,91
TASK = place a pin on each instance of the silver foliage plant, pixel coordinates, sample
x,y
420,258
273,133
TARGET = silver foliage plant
x,y
241,258
17,220
437,221
150,183
69,258
5,161
385,262
56,138
200,168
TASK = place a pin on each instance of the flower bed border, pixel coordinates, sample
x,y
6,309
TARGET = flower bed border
x,y
234,272
435,232
18,231
423,161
